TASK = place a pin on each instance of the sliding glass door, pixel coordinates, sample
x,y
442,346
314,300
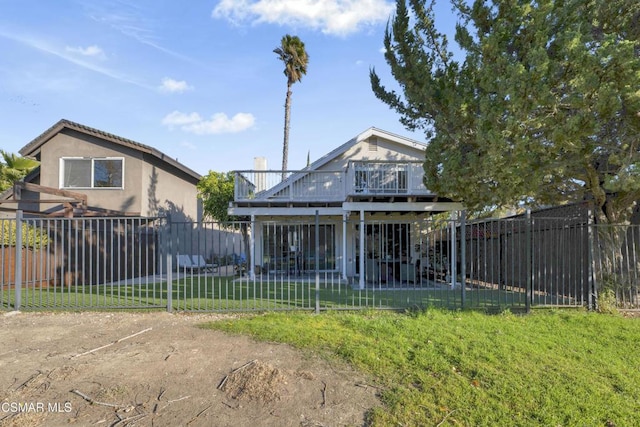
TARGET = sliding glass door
x,y
292,247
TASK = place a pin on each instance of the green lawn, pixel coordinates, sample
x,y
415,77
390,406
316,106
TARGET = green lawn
x,y
207,293
549,368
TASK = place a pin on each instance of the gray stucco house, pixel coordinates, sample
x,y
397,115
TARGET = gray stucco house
x,y
114,176
116,197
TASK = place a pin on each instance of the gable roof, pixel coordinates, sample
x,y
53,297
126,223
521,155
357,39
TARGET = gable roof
x,y
372,131
32,149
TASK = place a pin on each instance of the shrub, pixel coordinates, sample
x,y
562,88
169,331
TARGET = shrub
x,y
32,237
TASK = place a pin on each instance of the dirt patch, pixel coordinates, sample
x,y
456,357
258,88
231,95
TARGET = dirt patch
x,y
161,369
254,381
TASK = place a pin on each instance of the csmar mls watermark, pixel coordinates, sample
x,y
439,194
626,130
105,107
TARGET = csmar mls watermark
x,y
35,407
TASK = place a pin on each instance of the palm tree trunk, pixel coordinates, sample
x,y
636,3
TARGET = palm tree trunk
x,y
285,144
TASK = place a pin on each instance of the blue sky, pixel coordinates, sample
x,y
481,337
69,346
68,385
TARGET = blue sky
x,y
197,80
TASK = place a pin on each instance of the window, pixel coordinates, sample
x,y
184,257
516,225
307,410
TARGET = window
x,y
91,173
292,247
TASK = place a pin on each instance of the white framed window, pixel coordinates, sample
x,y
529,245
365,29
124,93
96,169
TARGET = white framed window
x,y
97,172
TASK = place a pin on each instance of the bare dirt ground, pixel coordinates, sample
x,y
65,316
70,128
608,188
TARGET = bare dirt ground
x,y
161,369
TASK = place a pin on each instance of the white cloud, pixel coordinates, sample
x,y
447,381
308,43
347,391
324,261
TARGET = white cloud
x,y
219,122
336,17
92,50
45,45
174,86
176,118
130,19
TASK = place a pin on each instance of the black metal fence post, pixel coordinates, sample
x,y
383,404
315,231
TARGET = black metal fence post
x,y
317,261
592,291
18,263
463,255
168,247
529,261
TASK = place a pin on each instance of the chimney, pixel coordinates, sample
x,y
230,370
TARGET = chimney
x,y
260,168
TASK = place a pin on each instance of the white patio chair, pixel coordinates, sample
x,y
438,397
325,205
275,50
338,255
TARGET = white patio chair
x,y
185,262
199,262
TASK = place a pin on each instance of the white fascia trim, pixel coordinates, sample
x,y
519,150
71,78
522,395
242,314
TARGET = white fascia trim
x,y
264,211
403,207
349,207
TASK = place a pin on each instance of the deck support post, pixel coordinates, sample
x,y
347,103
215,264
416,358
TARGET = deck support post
x,y
252,246
463,254
361,250
345,218
454,250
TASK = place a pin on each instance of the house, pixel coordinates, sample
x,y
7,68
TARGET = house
x,y
112,190
93,172
368,196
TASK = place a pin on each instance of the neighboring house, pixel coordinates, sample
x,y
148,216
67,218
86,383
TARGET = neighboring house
x,y
118,187
101,173
369,197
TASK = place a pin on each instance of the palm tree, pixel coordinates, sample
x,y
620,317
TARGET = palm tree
x,y
291,51
13,168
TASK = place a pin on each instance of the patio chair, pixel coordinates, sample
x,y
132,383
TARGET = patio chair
x,y
199,262
184,262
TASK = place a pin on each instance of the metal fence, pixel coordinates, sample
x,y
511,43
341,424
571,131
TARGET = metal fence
x,y
152,263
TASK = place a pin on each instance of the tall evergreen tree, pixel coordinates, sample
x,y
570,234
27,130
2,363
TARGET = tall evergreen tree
x,y
541,105
294,56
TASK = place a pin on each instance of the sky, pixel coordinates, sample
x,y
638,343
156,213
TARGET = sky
x,y
197,79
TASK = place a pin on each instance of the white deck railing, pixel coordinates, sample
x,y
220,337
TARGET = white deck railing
x,y
384,177
296,185
360,178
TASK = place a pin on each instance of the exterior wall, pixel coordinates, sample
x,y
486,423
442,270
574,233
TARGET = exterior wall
x,y
167,193
150,188
73,144
386,151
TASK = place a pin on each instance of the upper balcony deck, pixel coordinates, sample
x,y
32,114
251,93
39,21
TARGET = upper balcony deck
x,y
359,179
